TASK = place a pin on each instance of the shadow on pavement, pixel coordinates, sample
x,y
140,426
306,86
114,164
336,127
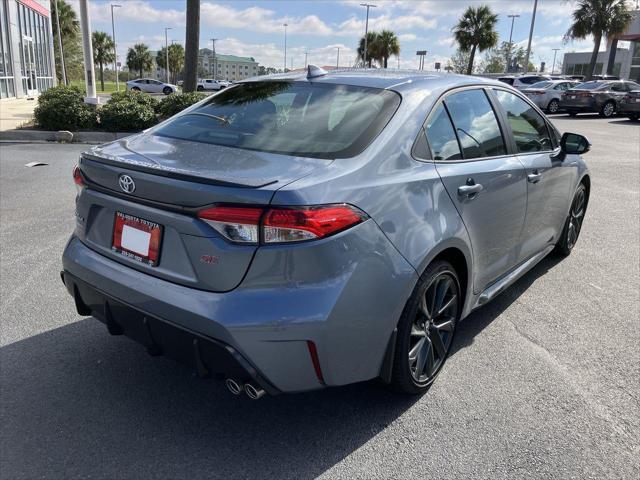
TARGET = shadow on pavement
x,y
79,403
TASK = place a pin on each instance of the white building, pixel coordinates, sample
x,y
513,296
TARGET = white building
x,y
227,67
26,48
627,56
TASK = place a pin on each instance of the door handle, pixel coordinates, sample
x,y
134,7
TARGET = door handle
x,y
534,177
470,190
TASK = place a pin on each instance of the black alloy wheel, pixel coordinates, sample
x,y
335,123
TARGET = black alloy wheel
x,y
426,329
573,224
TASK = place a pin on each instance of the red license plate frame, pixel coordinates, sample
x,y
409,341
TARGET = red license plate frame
x,y
136,231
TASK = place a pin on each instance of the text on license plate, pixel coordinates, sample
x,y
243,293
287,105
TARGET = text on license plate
x,y
136,238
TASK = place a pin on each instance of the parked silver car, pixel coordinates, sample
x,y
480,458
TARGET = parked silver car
x,y
300,231
150,85
548,93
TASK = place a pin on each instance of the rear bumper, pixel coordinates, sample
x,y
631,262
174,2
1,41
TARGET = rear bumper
x,y
344,294
208,356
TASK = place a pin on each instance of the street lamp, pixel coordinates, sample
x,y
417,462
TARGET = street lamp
x,y
166,50
115,50
213,45
338,59
366,29
555,52
285,25
533,22
513,18
306,54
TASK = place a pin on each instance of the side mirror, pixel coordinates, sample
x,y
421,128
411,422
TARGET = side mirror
x,y
574,144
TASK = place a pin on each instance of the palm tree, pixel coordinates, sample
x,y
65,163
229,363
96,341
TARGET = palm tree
x,y
139,58
388,44
476,30
192,46
176,59
69,30
600,18
373,53
102,52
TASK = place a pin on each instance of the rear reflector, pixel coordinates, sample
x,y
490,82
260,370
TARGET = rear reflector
x,y
281,225
313,353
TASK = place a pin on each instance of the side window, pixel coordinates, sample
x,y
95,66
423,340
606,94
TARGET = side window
x,y
442,136
475,124
529,127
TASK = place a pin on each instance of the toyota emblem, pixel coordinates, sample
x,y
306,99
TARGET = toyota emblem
x,y
126,183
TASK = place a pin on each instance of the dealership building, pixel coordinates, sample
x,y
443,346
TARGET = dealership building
x,y
26,48
227,67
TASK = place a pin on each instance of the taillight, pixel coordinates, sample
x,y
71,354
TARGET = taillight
x,y
77,178
281,225
237,224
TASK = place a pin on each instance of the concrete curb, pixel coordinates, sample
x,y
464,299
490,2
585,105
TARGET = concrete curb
x,y
37,136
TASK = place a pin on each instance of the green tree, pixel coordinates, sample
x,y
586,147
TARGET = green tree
x,y
495,60
102,52
388,44
476,30
176,60
70,37
373,52
601,19
139,58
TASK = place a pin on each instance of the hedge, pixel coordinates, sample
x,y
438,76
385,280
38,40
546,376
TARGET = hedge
x,y
172,104
63,108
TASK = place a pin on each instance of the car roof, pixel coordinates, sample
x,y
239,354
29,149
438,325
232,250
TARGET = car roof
x,y
398,80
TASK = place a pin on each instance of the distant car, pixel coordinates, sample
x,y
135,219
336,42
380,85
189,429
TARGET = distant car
x,y
150,85
210,84
605,77
525,81
596,96
547,94
630,105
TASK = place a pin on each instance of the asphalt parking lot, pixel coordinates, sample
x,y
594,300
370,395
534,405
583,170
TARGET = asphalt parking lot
x,y
544,382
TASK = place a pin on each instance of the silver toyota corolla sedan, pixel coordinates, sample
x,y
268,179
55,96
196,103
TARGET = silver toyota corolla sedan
x,y
302,231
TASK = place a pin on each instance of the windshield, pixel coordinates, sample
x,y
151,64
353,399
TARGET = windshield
x,y
590,85
541,85
293,118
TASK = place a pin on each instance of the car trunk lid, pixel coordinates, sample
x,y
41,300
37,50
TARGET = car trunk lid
x,y
174,179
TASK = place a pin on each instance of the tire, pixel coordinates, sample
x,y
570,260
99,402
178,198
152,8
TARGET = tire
x,y
608,110
425,341
573,223
634,117
554,106
167,90
200,88
135,89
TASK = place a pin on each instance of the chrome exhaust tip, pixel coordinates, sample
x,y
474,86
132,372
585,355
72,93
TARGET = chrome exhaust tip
x,y
233,386
254,393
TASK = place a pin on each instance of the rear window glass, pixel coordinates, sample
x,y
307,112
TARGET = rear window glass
x,y
541,84
507,80
292,118
590,85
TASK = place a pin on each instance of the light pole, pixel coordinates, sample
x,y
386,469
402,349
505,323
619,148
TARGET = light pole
x,y
366,29
306,54
338,59
115,50
87,51
555,52
533,21
213,45
166,50
64,70
513,18
285,25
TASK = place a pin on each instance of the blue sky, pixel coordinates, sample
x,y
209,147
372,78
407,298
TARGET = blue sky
x,y
254,28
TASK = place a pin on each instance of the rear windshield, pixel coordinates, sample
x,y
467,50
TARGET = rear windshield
x,y
508,80
541,84
293,118
590,85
